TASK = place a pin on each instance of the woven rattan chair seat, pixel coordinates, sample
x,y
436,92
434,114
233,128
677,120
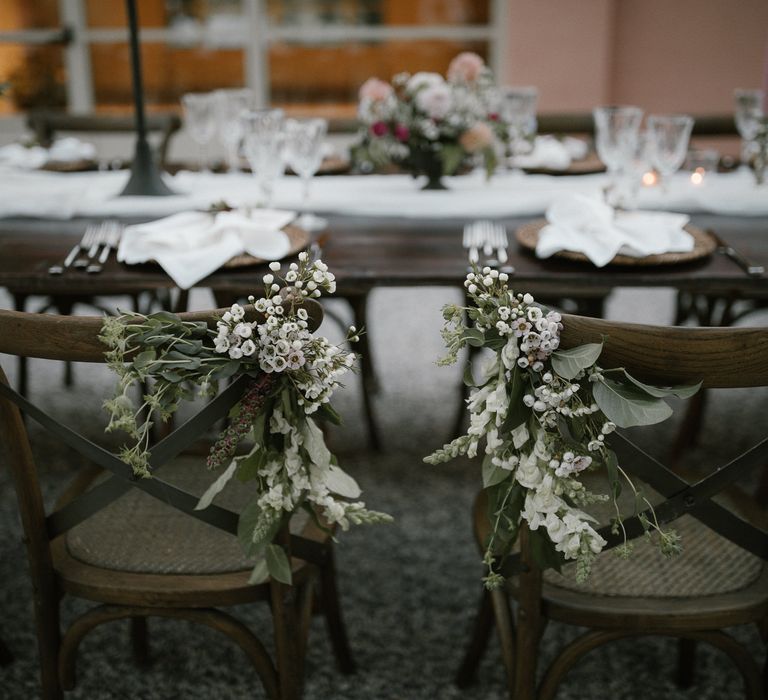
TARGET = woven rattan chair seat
x,y
139,533
709,565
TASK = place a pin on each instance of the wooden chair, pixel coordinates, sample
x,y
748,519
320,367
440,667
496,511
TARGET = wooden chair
x,y
100,541
721,578
46,124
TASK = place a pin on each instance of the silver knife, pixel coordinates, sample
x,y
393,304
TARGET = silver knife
x,y
750,267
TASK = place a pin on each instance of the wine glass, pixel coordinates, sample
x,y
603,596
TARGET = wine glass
x,y
264,145
749,110
669,137
617,129
230,104
304,153
518,110
199,118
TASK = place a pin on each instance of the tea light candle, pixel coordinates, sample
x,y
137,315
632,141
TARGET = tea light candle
x,y
650,179
697,176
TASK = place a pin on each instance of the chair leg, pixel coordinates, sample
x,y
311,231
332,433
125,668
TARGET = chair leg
x,y
505,628
481,632
140,641
49,646
686,662
6,655
329,596
290,671
359,305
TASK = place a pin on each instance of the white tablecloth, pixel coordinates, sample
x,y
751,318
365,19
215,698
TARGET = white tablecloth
x,y
66,195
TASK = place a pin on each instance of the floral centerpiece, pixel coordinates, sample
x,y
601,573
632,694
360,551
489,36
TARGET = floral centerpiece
x,y
291,374
430,125
542,416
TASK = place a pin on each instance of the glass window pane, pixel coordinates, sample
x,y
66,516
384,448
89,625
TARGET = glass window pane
x,y
23,14
307,77
168,72
35,76
377,12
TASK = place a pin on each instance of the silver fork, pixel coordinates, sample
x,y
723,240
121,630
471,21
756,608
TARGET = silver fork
x,y
85,242
108,237
471,241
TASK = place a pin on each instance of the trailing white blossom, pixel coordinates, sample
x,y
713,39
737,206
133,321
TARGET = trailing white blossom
x,y
543,421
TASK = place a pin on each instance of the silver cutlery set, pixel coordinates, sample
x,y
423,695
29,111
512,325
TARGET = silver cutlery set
x,y
93,250
491,238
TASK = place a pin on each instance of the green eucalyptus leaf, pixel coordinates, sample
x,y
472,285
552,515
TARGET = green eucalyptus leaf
x,y
628,406
189,347
543,550
495,342
568,363
246,525
492,474
248,467
144,358
469,380
259,425
277,563
328,412
473,337
681,391
217,486
166,317
612,471
451,156
260,573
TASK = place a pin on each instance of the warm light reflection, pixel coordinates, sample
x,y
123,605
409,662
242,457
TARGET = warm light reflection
x,y
697,176
650,178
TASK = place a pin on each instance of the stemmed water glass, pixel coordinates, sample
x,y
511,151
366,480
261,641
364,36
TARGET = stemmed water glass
x,y
200,120
669,136
748,112
264,145
304,153
617,130
230,105
518,110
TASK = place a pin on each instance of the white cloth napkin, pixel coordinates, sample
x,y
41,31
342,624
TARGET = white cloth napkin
x,y
588,225
71,150
66,150
552,153
191,245
14,155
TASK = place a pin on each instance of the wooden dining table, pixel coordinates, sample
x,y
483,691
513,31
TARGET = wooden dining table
x,y
365,253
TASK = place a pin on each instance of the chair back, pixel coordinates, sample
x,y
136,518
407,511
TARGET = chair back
x,y
45,125
668,356
75,338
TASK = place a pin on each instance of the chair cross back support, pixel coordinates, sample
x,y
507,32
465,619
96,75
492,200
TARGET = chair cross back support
x,y
192,593
90,502
616,607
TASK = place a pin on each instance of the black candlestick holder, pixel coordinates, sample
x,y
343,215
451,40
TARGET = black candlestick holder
x,y
145,175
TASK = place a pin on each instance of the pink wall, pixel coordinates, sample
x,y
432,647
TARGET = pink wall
x,y
664,55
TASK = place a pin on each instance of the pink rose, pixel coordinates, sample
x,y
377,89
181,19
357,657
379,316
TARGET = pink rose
x,y
435,100
465,68
375,90
379,128
402,132
476,138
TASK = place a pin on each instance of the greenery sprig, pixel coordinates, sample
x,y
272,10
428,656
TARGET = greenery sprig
x,y
542,415
291,376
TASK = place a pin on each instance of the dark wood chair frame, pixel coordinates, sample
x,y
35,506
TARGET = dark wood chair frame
x,y
736,357
136,596
45,124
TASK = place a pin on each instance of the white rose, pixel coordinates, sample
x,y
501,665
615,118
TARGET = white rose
x,y
435,101
423,79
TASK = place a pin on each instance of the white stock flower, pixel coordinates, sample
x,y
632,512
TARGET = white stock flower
x,y
528,473
509,353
